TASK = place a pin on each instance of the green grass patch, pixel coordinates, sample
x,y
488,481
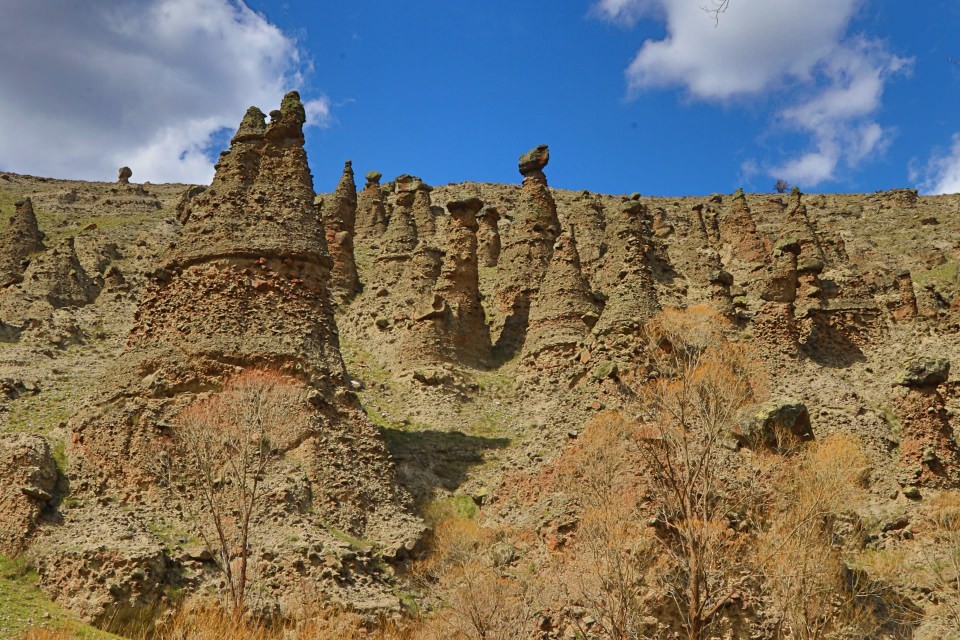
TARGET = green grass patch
x,y
45,411
357,544
947,273
460,507
7,201
23,606
60,226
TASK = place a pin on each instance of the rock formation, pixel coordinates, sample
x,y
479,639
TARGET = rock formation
x,y
29,483
906,308
58,277
798,225
246,286
339,220
632,300
371,213
929,455
563,312
738,231
720,283
775,324
588,213
18,243
398,242
526,256
418,314
809,288
488,237
422,210
459,285
124,176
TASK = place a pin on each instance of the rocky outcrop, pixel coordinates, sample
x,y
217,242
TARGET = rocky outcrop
x,y
58,277
371,212
110,570
459,285
398,242
488,237
778,424
797,224
738,231
775,324
720,283
339,221
586,217
563,311
246,286
929,455
632,300
29,482
809,288
906,308
419,315
526,256
418,203
21,240
423,209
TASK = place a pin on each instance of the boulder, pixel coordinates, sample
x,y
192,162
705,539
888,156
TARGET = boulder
x,y
924,371
773,422
29,475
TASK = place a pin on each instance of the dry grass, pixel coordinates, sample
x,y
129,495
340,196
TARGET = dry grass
x,y
804,570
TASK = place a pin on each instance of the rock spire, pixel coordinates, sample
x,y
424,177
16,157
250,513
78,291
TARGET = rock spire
x,y
21,240
371,212
564,310
246,286
526,256
339,221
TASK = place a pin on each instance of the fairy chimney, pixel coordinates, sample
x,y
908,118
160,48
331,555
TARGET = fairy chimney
x,y
525,258
488,236
339,220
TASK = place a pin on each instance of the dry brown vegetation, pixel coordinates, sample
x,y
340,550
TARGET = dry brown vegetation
x,y
223,444
677,533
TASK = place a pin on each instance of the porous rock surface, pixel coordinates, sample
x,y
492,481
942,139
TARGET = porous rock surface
x,y
29,484
526,255
246,284
20,240
201,282
339,220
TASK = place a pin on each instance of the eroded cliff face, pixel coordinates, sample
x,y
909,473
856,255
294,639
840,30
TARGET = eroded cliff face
x,y
246,286
492,322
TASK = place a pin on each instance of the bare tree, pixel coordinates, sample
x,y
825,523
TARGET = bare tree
x,y
700,384
715,7
223,445
607,567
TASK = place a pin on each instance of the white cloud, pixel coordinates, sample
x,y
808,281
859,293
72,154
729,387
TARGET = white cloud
x,y
943,171
624,12
832,82
144,83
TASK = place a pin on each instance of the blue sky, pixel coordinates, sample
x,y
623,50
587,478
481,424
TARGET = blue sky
x,y
631,95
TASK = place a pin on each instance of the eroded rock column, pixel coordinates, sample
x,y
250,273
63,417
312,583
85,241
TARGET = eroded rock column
x,y
488,237
339,219
21,240
526,257
371,213
459,285
563,311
